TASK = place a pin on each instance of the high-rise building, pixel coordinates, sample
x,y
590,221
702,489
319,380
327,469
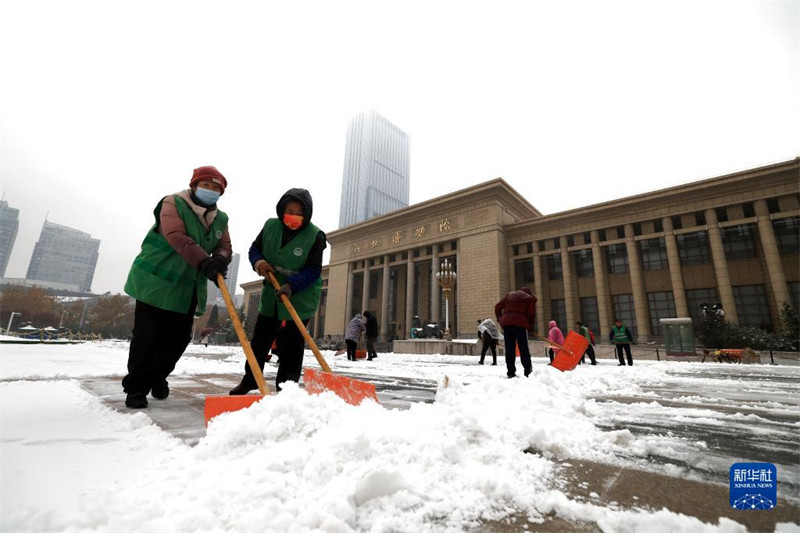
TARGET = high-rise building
x,y
64,255
376,169
9,224
214,294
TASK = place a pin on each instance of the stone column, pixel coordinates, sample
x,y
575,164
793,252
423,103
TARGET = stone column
x,y
409,296
566,271
365,290
385,300
641,307
772,256
541,325
721,266
435,286
349,299
675,274
601,289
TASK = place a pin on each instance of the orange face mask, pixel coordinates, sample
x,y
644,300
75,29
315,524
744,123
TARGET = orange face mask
x,y
292,221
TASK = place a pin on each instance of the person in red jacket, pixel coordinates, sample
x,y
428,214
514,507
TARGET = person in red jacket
x,y
516,313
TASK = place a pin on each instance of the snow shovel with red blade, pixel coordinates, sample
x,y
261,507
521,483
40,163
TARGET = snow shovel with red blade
x,y
350,390
569,355
216,405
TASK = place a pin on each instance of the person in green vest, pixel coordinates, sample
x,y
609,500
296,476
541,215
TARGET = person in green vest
x,y
290,247
187,245
584,331
622,337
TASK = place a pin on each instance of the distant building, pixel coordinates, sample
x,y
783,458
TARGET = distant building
x,y
9,225
64,255
215,295
376,169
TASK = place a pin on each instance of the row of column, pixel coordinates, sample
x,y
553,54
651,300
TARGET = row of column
x,y
775,273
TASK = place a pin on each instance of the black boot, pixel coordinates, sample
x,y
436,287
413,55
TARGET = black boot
x,y
241,389
160,390
136,400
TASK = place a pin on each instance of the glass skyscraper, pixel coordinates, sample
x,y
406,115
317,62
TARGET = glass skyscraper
x,y
9,225
64,255
376,169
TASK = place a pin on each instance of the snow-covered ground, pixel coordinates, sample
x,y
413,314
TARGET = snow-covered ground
x,y
486,449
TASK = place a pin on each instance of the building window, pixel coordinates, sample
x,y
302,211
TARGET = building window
x,y
773,206
589,314
558,312
654,254
373,285
787,234
528,247
624,310
570,240
700,219
620,232
752,307
556,244
601,235
523,272
587,237
794,294
617,259
677,223
695,298
583,263
554,266
693,248
658,226
739,242
637,229
515,250
748,210
722,214
661,305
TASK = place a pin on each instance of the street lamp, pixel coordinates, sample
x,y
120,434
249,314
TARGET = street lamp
x,y
447,279
10,319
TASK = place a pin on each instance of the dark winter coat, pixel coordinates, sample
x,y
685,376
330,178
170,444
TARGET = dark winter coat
x,y
372,324
518,308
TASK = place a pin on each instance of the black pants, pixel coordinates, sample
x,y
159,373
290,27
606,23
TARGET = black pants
x,y
590,352
551,353
489,344
371,347
290,348
352,346
158,342
627,348
516,336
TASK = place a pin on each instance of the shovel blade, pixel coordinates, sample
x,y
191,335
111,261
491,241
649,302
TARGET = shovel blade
x,y
350,390
574,343
216,405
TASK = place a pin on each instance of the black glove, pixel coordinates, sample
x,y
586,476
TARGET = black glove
x,y
210,266
285,289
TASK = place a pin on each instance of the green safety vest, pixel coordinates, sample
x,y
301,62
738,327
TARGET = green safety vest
x,y
162,278
620,335
585,332
293,257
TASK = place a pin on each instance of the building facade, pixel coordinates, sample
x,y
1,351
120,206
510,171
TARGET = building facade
x,y
732,240
64,255
214,294
375,180
9,225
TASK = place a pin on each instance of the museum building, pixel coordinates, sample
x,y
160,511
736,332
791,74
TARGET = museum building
x,y
733,240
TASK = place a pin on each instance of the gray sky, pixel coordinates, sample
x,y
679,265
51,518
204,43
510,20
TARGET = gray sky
x,y
106,106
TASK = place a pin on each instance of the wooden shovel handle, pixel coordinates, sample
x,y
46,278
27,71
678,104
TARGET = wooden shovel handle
x,y
299,323
237,325
551,343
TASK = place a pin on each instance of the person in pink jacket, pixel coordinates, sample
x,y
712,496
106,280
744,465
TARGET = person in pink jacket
x,y
554,335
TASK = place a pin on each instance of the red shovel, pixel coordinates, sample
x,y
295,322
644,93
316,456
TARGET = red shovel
x,y
568,355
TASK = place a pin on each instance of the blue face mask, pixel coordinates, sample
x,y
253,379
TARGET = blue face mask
x,y
208,197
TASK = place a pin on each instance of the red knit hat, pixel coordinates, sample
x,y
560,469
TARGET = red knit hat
x,y
208,173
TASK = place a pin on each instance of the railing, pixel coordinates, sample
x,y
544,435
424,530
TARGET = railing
x,y
43,336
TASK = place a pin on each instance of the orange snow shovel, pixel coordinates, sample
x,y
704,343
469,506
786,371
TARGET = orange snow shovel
x,y
350,390
216,405
568,355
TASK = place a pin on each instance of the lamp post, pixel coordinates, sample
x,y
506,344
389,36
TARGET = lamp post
x,y
447,279
11,319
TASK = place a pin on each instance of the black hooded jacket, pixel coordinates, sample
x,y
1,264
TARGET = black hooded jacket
x,y
313,267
